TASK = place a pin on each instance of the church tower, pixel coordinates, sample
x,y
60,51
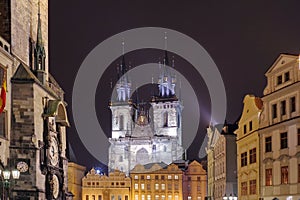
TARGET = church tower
x,y
141,137
35,114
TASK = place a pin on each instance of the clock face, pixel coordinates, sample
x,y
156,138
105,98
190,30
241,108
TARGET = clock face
x,y
53,151
55,186
22,166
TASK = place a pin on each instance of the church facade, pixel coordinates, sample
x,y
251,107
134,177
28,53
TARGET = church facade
x,y
142,135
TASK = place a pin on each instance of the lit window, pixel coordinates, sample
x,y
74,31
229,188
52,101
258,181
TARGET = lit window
x,y
252,186
156,186
252,155
143,197
142,186
148,197
163,197
136,186
284,175
244,188
136,177
136,197
269,177
176,197
176,177
169,176
163,186
148,177
156,197
169,197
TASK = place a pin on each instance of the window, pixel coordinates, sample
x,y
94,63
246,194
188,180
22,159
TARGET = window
x,y
244,159
250,126
189,178
198,188
163,186
169,176
244,188
136,197
176,197
252,155
245,129
156,186
169,197
298,173
293,104
148,186
136,177
162,177
3,124
198,178
136,186
126,197
176,186
142,177
142,186
269,177
100,197
283,107
283,140
176,177
121,123
148,177
274,111
119,197
268,144
165,117
169,186
298,136
143,197
156,177
284,175
252,186
148,197
112,197
279,80
156,197
163,197
286,76
86,197
121,159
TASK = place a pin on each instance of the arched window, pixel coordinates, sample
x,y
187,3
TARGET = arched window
x,y
165,118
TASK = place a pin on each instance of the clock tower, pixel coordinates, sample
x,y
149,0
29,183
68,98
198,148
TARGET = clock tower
x,y
37,111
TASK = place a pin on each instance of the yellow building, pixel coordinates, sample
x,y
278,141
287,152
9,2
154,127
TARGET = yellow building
x,y
75,175
280,130
248,149
116,186
194,182
156,182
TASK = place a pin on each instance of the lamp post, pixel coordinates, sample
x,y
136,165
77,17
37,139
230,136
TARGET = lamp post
x,y
5,177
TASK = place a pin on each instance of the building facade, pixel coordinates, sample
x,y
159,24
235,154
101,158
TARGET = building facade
x,y
248,149
156,181
222,172
194,182
279,130
140,136
34,119
115,186
75,174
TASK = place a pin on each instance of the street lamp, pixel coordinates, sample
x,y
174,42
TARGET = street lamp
x,y
5,177
231,197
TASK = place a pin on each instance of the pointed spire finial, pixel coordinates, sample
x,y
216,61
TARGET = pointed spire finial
x,y
166,41
123,47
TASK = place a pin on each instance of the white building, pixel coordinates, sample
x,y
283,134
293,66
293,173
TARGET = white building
x,y
140,136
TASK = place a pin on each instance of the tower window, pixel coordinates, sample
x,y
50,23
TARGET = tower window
x,y
121,123
165,118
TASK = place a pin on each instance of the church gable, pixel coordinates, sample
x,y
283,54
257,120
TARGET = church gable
x,y
23,73
281,61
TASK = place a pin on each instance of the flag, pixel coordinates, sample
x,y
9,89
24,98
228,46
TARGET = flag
x,y
3,95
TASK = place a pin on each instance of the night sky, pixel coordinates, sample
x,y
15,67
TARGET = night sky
x,y
242,39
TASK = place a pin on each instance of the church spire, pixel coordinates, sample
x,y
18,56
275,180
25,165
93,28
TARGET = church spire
x,y
39,51
123,85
